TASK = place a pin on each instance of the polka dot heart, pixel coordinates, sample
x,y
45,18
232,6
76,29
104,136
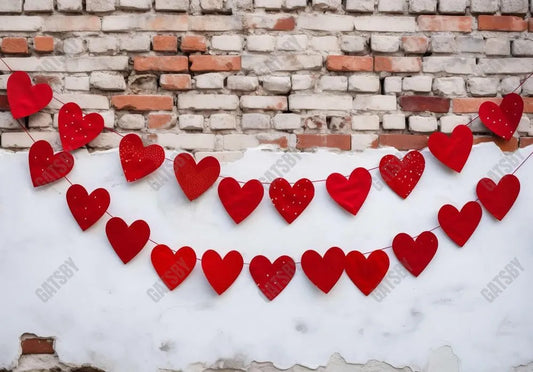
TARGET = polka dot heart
x,y
402,175
76,130
503,119
291,201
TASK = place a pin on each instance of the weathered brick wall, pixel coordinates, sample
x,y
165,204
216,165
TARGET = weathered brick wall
x,y
225,75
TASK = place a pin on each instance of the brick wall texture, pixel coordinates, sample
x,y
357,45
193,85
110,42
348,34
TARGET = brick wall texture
x,y
225,75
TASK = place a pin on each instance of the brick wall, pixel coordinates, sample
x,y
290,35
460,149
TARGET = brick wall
x,y
225,75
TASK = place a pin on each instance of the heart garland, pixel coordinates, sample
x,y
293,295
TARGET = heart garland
x,y
452,151
87,208
413,254
239,201
402,175
324,272
498,199
291,201
24,98
367,272
137,160
272,277
460,225
127,241
45,166
193,178
76,130
221,272
350,193
503,119
173,268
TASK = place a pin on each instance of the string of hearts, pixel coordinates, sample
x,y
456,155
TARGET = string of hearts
x,y
138,161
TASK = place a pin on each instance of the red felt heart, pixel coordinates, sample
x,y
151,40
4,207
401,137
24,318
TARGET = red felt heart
x,y
291,201
173,268
240,202
367,273
324,272
221,272
193,178
45,166
415,255
76,130
350,193
24,98
502,120
459,226
137,160
498,199
402,175
127,241
452,151
87,209
272,278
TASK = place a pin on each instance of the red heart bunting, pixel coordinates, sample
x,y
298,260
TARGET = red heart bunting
x,y
193,178
324,272
402,175
460,225
173,268
415,255
221,272
502,120
76,130
239,201
498,199
452,151
137,160
367,273
24,98
87,209
272,278
350,193
291,201
127,241
45,166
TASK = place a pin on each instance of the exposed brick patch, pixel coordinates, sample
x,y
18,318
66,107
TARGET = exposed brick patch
x,y
511,145
193,43
349,63
43,44
164,63
158,121
281,141
424,103
339,141
526,141
165,43
175,81
397,64
15,45
501,23
215,63
415,44
37,345
444,23
284,24
403,141
142,103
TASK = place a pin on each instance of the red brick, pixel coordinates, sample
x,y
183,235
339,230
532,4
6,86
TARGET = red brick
x,y
424,103
281,142
175,81
403,141
15,45
444,23
142,103
43,44
526,141
284,24
467,105
37,345
165,63
4,103
215,63
339,141
501,23
193,43
530,24
415,44
349,63
397,64
157,121
511,145
165,43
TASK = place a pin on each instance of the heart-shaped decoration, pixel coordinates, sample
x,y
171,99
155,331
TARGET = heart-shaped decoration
x,y
272,278
415,255
324,272
239,201
86,208
221,272
137,160
45,166
460,225
498,199
350,193
367,273
502,120
24,98
173,268
452,151
291,201
193,178
402,175
76,130
127,241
